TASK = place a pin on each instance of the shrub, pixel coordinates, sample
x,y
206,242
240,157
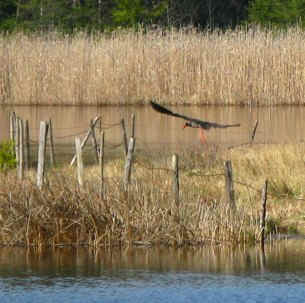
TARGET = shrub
x,y
7,156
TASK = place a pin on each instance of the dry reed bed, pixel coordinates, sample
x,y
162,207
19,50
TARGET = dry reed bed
x,y
62,214
175,66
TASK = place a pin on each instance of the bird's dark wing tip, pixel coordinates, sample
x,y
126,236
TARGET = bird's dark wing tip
x,y
160,108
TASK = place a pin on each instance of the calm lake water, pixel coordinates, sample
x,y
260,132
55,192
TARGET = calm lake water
x,y
153,130
155,275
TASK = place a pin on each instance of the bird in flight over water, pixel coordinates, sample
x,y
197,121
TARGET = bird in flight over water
x,y
192,122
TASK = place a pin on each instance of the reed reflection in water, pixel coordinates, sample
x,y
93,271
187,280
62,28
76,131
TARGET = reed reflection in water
x,y
155,274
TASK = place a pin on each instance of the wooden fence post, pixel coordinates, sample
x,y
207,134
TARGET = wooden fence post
x,y
52,153
263,213
94,141
86,138
124,135
175,167
254,132
133,125
20,150
17,139
26,145
80,165
101,162
128,162
13,126
42,152
229,185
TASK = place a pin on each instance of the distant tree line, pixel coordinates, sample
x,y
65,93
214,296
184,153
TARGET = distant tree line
x,y
106,15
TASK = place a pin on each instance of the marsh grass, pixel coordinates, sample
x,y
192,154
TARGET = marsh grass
x,y
145,214
252,66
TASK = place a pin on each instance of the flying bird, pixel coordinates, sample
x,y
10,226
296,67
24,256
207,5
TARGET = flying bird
x,y
192,122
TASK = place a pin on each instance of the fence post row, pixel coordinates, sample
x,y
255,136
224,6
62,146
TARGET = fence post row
x,y
41,152
86,137
128,162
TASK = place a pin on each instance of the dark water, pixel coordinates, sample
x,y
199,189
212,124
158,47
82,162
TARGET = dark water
x,y
155,275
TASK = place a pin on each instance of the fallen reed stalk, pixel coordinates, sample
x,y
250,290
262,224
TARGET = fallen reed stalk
x,y
252,66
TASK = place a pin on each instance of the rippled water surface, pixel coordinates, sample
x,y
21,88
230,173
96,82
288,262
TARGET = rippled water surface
x,y
155,275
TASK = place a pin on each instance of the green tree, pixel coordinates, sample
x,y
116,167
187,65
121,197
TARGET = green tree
x,y
8,10
277,12
133,12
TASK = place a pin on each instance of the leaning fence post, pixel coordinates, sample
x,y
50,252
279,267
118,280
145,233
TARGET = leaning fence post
x,y
101,162
124,134
80,165
229,185
52,154
128,162
254,131
94,141
263,213
20,149
42,152
175,178
86,138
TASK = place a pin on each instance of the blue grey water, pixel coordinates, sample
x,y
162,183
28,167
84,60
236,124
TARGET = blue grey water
x,y
155,275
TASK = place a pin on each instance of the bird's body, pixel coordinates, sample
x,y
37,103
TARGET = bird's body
x,y
191,122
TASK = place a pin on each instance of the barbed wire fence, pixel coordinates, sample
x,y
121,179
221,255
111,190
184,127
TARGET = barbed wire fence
x,y
27,147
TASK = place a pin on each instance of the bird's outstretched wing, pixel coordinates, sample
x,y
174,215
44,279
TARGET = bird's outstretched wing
x,y
194,122
163,110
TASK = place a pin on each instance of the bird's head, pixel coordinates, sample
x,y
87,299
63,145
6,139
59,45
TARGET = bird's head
x,y
187,124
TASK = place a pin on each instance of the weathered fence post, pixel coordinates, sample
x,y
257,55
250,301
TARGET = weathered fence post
x,y
128,162
86,138
27,145
20,149
175,167
133,125
124,135
52,153
101,162
94,141
13,126
80,165
42,152
17,139
263,213
229,185
254,131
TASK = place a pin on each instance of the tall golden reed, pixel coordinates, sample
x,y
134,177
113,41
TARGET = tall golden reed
x,y
176,66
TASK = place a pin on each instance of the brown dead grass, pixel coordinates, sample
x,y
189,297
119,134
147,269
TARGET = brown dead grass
x,y
145,214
